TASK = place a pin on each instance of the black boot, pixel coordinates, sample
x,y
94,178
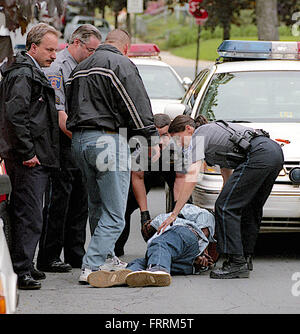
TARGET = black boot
x,y
235,267
26,282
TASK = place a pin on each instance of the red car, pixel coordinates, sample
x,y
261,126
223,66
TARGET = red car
x,y
2,172
5,189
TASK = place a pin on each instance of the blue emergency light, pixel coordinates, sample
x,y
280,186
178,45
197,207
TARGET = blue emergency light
x,y
259,50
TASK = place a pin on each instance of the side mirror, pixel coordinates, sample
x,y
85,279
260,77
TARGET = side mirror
x,y
174,109
186,81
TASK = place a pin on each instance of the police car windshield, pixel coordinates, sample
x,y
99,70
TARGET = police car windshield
x,y
270,96
160,82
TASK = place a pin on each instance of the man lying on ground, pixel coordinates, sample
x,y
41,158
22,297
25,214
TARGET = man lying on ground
x,y
180,250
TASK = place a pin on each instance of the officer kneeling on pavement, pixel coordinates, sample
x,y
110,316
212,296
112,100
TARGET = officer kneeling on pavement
x,y
250,163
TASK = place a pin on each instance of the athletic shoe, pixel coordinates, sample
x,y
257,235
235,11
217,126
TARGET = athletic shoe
x,y
113,264
148,278
84,275
231,270
105,279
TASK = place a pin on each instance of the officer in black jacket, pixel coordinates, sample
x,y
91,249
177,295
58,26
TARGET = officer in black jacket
x,y
29,144
66,210
106,98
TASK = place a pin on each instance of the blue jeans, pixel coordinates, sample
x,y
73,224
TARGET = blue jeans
x,y
104,161
174,250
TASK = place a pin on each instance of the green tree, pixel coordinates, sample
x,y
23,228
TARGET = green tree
x,y
286,9
223,13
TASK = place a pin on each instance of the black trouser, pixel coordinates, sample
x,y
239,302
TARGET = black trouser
x,y
65,218
150,178
26,205
239,206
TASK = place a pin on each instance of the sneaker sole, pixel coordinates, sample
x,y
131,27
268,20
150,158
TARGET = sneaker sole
x,y
29,288
83,282
146,278
105,279
245,274
83,279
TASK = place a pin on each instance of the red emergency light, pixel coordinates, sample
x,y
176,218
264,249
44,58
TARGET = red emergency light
x,y
143,50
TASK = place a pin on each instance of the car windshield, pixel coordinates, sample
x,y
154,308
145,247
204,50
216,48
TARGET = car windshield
x,y
272,96
160,82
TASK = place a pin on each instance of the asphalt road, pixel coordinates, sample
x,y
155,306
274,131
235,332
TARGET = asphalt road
x,y
269,290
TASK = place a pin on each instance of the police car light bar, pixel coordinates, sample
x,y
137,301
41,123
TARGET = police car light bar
x,y
143,50
259,50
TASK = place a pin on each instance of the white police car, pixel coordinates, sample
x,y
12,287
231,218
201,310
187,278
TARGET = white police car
x,y
257,83
162,83
8,278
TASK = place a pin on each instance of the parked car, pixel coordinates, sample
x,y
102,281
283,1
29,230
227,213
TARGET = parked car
x,y
257,83
5,189
101,24
162,83
8,278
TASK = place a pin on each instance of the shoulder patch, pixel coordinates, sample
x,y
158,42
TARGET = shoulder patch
x,y
55,81
57,100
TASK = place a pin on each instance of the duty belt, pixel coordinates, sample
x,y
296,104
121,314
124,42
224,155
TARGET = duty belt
x,y
256,133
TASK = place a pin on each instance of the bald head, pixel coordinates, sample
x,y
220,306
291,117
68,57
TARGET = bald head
x,y
120,39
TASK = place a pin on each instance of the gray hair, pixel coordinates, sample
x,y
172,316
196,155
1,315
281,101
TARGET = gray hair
x,y
84,33
36,34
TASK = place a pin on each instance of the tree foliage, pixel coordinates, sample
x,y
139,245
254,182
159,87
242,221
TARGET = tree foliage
x,y
224,13
19,13
286,9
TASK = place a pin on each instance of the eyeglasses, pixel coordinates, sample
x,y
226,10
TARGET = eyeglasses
x,y
91,50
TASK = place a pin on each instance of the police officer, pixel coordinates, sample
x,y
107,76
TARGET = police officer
x,y
256,161
66,210
142,181
29,144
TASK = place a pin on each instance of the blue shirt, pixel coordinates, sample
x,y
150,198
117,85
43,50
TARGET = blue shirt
x,y
194,217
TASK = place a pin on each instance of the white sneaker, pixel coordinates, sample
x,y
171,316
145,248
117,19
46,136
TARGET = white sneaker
x,y
148,278
84,275
113,264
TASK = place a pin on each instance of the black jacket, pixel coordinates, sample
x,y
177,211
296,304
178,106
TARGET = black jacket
x,y
106,90
28,117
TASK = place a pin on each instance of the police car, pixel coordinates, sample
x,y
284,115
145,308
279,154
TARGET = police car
x,y
8,278
162,83
255,83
